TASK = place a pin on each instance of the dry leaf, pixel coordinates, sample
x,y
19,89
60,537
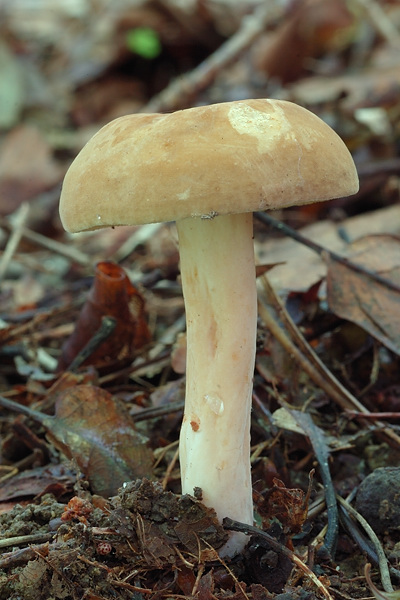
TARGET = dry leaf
x,y
113,295
289,506
303,268
27,167
92,429
358,298
311,29
54,479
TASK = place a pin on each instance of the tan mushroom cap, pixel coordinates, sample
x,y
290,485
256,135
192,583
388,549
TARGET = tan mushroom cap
x,y
225,158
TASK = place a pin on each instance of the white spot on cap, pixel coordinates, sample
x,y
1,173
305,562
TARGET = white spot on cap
x,y
184,195
268,128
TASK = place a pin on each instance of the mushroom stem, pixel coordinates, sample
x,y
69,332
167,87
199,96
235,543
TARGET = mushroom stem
x,y
219,288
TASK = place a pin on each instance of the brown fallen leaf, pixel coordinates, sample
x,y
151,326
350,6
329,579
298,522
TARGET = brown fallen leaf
x,y
301,267
55,479
372,87
92,429
26,167
311,29
289,506
356,297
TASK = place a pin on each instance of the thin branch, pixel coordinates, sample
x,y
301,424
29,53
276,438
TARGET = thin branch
x,y
321,451
26,539
308,360
46,242
266,219
304,355
382,23
14,239
382,560
105,329
178,91
232,525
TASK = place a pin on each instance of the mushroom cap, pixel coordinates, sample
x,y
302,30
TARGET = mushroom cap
x,y
233,157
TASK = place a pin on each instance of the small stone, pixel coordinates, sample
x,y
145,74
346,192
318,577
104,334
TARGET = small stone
x,y
378,499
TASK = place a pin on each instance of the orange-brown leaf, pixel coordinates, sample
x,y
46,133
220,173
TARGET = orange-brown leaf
x,y
112,294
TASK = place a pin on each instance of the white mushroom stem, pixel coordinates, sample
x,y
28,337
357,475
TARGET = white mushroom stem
x,y
219,287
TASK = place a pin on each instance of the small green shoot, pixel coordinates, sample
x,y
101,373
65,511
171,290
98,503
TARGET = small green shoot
x,y
144,41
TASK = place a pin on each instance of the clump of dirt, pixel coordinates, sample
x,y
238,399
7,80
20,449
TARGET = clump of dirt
x,y
142,539
33,518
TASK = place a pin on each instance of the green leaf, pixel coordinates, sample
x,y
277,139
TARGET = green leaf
x,y
144,41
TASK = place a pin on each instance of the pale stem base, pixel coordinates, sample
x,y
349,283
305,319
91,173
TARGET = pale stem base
x,y
218,279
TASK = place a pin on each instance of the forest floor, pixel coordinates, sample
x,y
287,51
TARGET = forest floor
x,y
92,326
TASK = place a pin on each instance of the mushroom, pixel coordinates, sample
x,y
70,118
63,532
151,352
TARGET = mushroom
x,y
208,168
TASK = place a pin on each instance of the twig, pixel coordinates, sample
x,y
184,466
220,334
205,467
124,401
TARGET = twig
x,y
382,560
56,569
377,593
21,408
351,414
14,239
321,452
226,566
160,453
381,21
140,236
307,358
353,530
26,539
384,167
154,412
181,89
316,370
266,219
21,556
169,469
106,328
44,241
232,525
128,586
136,370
